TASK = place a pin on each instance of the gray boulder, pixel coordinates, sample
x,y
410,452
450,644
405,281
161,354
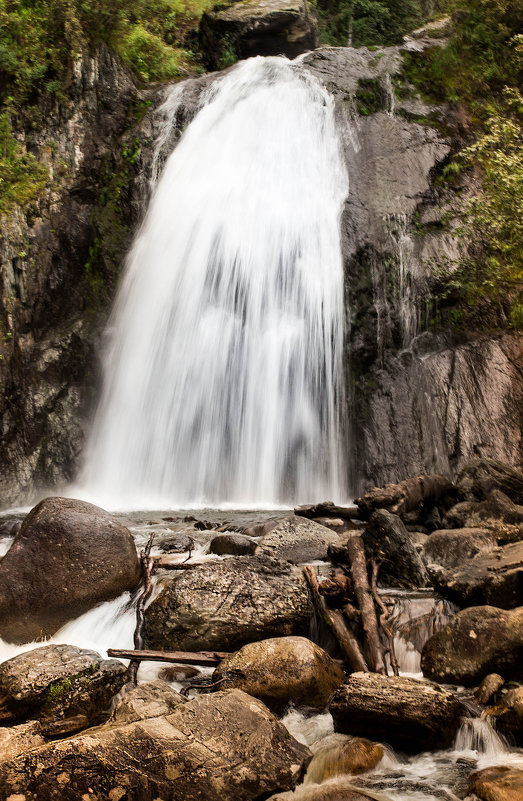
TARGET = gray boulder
x,y
218,747
225,604
57,682
476,642
493,577
386,537
298,540
232,544
282,670
410,715
257,28
452,548
67,557
151,700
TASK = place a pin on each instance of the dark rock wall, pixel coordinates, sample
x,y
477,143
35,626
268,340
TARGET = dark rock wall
x,y
420,401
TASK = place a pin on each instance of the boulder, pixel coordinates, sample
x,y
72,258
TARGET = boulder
x,y
458,515
508,714
480,476
340,790
257,28
232,544
410,715
386,537
151,700
298,540
222,605
19,739
260,529
498,506
57,682
452,547
176,543
475,642
67,557
282,670
494,578
218,747
499,783
339,755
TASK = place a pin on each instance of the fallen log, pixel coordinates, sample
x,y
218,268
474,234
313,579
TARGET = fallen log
x,y
413,493
204,658
334,620
362,591
326,509
165,561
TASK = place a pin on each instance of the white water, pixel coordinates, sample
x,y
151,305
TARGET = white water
x,y
223,379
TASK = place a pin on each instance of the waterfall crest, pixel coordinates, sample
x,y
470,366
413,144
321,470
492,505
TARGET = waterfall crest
x,y
223,376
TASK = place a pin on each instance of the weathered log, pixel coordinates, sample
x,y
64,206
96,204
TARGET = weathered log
x,y
204,658
165,562
362,591
384,617
326,509
410,494
334,620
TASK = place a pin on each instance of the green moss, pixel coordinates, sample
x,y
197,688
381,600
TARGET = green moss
x,y
23,178
370,96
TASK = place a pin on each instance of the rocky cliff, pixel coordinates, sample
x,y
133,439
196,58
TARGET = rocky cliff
x,y
420,400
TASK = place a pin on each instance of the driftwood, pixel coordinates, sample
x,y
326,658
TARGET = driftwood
x,y
334,620
384,617
326,509
362,591
204,658
165,561
148,567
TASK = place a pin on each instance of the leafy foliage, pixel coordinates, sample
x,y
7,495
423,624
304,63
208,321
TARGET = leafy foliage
x,y
368,22
22,177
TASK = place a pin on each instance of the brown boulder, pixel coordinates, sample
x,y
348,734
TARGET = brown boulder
x,y
282,670
218,747
340,755
477,641
411,715
297,540
67,557
480,476
500,783
452,547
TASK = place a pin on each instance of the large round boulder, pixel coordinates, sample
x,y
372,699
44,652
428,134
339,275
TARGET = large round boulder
x,y
498,783
67,557
452,547
341,755
298,540
476,642
222,605
282,670
386,537
224,746
410,715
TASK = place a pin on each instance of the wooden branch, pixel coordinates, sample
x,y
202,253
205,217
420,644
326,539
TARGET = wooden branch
x,y
204,658
384,617
164,561
334,620
326,509
148,567
358,568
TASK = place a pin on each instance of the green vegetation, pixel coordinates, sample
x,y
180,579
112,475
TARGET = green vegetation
x,y
40,39
482,67
370,96
368,22
22,177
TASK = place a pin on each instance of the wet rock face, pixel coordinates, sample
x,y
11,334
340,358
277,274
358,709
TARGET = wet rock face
x,y
257,28
57,682
476,642
298,540
67,557
282,670
226,604
218,747
411,715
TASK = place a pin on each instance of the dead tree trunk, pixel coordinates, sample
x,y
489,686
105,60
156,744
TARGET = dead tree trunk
x,y
334,620
358,569
383,618
148,565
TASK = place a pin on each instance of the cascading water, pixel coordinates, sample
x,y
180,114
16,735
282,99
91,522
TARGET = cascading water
x,y
223,380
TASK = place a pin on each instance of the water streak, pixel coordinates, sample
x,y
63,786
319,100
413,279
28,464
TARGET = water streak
x,y
223,380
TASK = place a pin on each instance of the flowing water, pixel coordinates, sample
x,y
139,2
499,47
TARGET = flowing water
x,y
223,378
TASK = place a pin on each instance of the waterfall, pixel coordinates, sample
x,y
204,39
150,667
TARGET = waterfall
x,y
223,376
